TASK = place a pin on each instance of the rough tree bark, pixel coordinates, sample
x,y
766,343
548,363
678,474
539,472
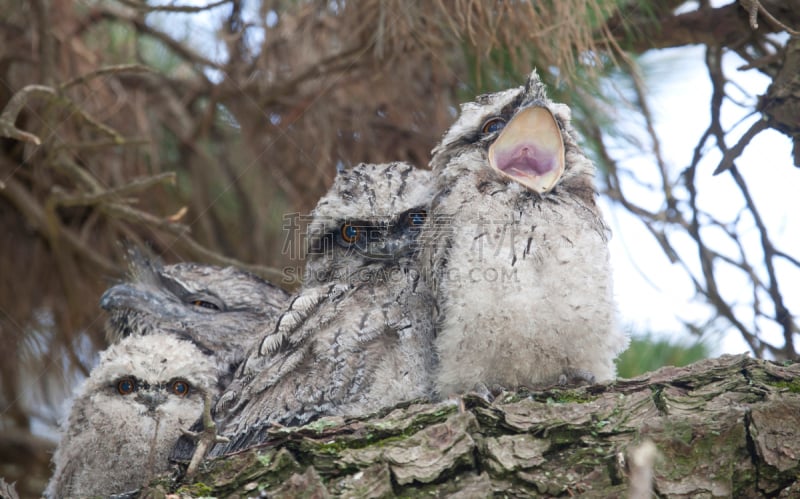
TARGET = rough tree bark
x,y
725,427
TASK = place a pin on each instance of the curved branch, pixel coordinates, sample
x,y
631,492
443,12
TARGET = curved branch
x,y
9,116
734,152
185,9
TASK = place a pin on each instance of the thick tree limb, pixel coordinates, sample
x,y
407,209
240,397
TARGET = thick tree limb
x,y
727,26
726,427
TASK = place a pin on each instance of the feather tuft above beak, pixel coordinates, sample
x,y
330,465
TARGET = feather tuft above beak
x,y
530,150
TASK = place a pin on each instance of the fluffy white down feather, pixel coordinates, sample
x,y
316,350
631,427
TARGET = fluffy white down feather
x,y
523,280
112,443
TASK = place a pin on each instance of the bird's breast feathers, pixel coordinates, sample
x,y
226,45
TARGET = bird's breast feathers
x,y
522,287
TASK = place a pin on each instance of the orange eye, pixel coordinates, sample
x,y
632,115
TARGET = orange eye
x,y
350,233
205,300
126,386
493,125
205,304
180,388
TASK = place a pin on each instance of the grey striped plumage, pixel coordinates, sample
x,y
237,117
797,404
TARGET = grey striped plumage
x,y
222,310
358,335
127,415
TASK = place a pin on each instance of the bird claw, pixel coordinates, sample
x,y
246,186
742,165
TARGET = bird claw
x,y
572,375
204,435
484,392
204,439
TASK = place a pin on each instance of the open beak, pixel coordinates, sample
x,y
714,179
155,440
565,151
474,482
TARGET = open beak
x,y
530,150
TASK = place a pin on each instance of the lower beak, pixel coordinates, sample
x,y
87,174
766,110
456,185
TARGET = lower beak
x,y
530,150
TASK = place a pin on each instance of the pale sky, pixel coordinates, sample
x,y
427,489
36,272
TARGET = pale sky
x,y
680,96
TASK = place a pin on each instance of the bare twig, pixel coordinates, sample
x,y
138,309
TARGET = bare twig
x,y
215,258
46,41
135,185
143,218
180,49
185,9
782,315
206,438
13,108
735,151
682,215
754,7
20,99
35,215
121,68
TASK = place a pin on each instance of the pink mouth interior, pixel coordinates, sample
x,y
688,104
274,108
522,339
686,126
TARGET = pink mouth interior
x,y
526,160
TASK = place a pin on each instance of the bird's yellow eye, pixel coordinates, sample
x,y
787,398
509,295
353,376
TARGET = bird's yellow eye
x,y
205,304
493,125
205,300
180,388
126,386
417,218
350,233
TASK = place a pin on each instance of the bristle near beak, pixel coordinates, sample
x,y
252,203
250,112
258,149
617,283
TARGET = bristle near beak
x,y
530,150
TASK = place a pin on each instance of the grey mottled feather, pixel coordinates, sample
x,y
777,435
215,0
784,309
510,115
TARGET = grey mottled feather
x,y
223,311
368,194
522,280
361,340
114,443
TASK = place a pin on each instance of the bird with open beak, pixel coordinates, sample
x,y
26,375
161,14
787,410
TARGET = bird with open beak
x,y
517,250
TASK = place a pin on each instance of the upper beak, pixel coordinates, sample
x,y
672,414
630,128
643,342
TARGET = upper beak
x,y
530,150
119,295
130,296
151,399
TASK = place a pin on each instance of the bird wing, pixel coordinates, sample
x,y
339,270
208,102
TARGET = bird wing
x,y
319,356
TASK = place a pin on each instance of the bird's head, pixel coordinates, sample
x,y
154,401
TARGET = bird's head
x,y
216,308
519,135
155,371
371,214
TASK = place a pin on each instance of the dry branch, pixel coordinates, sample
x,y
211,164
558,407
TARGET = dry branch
x,y
10,113
184,9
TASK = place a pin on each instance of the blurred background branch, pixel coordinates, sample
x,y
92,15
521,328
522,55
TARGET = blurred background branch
x,y
193,127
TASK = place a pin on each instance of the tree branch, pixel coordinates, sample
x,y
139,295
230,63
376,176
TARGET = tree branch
x,y
185,9
731,425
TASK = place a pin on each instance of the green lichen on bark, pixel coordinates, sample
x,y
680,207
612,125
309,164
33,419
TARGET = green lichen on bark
x,y
727,427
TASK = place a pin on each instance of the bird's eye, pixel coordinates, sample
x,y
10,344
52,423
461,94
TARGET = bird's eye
x,y
417,218
350,233
493,125
180,388
205,304
205,300
126,386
